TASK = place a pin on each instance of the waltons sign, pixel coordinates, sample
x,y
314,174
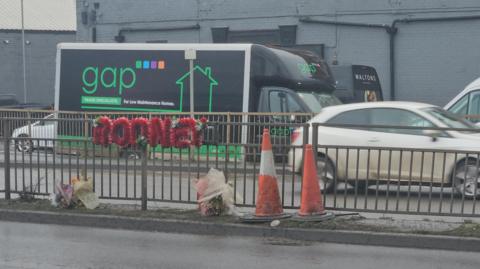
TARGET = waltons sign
x,y
365,77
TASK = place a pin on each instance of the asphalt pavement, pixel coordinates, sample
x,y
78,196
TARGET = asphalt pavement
x,y
52,246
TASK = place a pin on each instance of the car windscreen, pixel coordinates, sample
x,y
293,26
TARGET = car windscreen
x,y
316,101
447,118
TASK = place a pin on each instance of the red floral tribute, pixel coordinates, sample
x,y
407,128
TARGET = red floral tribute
x,y
102,130
121,126
200,125
159,132
179,133
139,131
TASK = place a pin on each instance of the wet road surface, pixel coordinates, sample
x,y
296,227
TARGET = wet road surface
x,y
52,246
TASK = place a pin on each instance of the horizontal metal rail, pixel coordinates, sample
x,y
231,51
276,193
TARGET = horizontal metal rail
x,y
421,181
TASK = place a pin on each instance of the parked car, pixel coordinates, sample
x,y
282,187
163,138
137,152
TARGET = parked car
x,y
396,154
39,134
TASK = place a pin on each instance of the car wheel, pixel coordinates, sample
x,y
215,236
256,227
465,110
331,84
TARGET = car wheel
x,y
24,145
326,174
465,179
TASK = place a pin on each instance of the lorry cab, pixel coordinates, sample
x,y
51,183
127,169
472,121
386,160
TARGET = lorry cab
x,y
357,83
467,103
289,81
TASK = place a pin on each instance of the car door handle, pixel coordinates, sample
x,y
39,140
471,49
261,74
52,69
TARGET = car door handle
x,y
374,139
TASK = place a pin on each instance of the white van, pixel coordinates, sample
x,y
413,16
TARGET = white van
x,y
467,103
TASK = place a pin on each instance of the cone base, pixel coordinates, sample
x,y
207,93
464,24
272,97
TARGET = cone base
x,y
250,218
314,217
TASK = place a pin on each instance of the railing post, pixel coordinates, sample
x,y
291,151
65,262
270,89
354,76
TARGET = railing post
x,y
29,123
315,140
305,138
227,146
6,159
85,146
144,177
191,153
228,127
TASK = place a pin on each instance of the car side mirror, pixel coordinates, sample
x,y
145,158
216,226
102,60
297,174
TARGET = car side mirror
x,y
434,134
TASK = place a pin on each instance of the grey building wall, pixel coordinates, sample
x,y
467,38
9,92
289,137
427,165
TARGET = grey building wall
x,y
40,64
433,60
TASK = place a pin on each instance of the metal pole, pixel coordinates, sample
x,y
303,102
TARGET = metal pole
x,y
23,57
6,158
191,55
85,146
315,142
191,88
192,110
144,177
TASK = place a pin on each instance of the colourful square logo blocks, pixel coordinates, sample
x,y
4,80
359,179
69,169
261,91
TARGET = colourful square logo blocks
x,y
161,64
146,64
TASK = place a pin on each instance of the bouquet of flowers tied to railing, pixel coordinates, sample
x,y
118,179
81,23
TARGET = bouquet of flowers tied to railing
x,y
79,193
215,197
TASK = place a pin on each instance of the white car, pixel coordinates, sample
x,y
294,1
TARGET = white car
x,y
39,134
365,154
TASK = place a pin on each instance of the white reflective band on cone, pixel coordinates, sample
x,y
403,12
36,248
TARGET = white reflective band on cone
x,y
267,166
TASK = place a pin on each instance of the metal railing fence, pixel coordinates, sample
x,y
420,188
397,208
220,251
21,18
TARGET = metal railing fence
x,y
406,179
419,172
36,161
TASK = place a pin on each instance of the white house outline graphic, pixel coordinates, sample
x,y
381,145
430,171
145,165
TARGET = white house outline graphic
x,y
207,71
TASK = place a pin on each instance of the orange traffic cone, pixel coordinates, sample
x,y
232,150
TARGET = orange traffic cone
x,y
269,206
311,207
